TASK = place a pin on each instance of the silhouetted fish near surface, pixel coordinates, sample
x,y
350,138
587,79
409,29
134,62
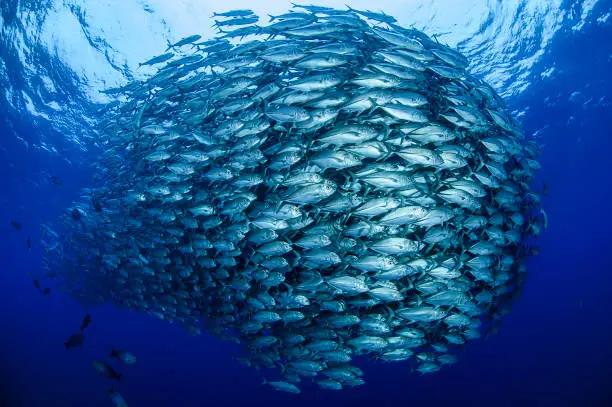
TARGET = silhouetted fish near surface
x,y
37,284
116,398
46,291
106,370
29,243
16,225
74,341
123,356
86,322
157,59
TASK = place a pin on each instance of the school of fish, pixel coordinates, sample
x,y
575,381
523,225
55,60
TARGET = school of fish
x,y
322,188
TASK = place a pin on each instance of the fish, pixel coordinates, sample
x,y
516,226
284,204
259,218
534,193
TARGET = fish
x,y
16,225
106,370
56,180
234,13
37,284
158,59
283,386
76,214
46,291
28,243
86,322
96,204
325,186
116,398
123,356
185,41
74,341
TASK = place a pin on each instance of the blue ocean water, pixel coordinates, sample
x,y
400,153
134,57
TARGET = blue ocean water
x,y
552,65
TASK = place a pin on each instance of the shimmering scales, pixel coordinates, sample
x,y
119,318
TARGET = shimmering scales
x,y
328,186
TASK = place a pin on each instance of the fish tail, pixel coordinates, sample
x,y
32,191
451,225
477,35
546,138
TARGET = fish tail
x,y
482,163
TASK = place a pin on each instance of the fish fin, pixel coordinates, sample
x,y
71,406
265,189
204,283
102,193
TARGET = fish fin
x,y
482,162
346,218
372,110
385,157
367,190
419,300
391,313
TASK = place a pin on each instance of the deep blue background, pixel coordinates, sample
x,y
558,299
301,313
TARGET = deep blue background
x,y
554,349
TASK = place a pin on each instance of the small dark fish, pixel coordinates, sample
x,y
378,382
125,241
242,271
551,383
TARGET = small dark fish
x,y
29,243
123,356
56,180
37,284
96,204
86,322
74,341
46,291
116,398
16,225
493,329
158,59
545,189
76,214
106,370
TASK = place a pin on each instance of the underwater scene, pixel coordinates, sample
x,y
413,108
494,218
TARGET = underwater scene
x,y
337,203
